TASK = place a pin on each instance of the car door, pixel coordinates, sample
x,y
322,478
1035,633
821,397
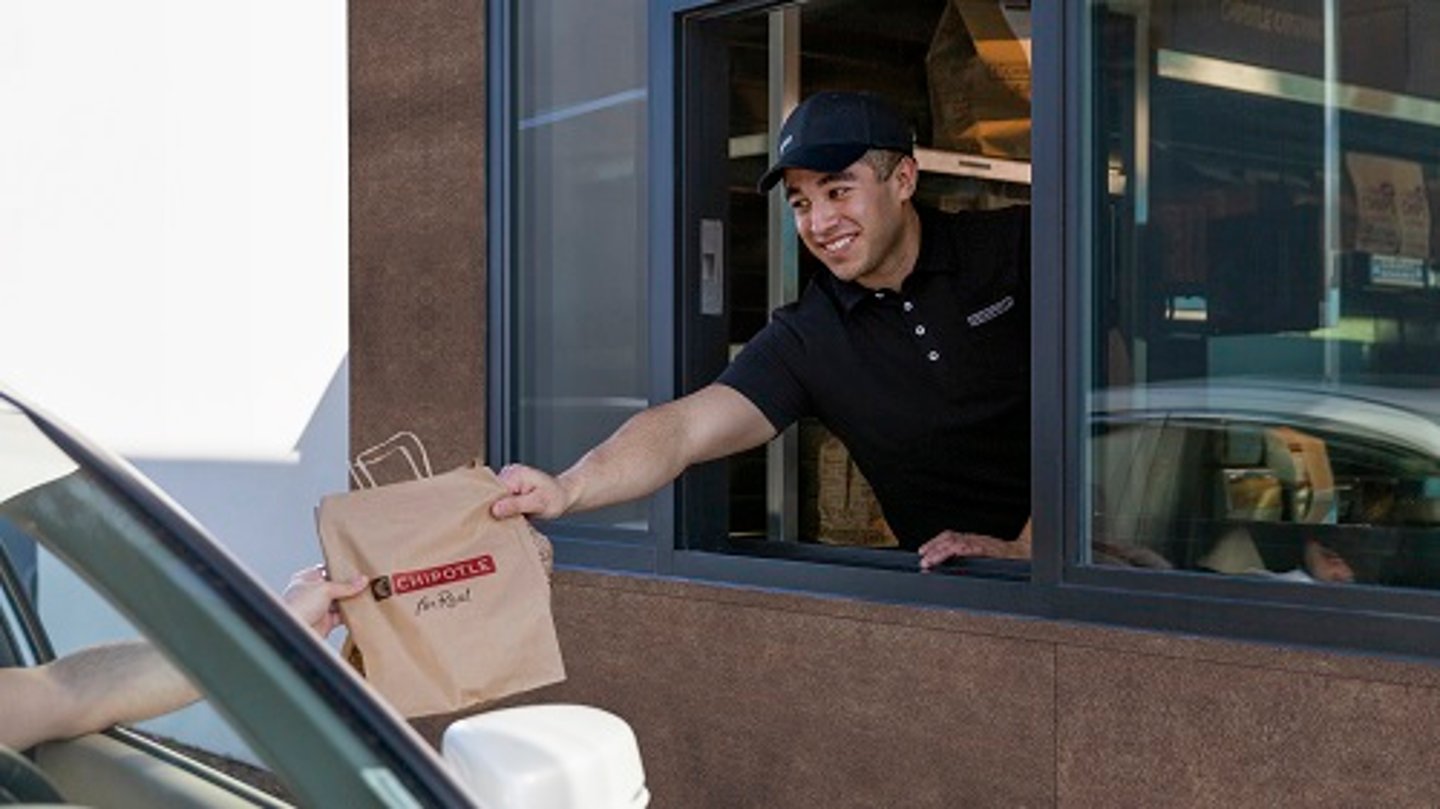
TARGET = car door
x,y
95,530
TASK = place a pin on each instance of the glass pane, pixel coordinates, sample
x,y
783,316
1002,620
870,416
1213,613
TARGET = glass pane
x,y
106,637
1263,297
582,340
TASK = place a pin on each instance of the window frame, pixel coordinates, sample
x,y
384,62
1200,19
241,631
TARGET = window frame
x,y
1356,617
593,546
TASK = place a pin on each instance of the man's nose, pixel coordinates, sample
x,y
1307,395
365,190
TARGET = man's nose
x,y
822,216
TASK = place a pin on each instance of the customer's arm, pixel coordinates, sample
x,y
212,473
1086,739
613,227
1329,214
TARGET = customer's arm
x,y
93,688
86,691
647,452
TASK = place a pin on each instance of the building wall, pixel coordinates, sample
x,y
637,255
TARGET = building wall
x,y
417,225
748,698
743,697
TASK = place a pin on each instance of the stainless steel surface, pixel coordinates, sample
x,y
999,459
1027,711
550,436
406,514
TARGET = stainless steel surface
x,y
783,454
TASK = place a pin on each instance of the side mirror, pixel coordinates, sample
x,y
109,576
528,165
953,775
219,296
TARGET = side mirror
x,y
547,757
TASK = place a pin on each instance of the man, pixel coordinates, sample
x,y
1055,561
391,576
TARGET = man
x,y
913,349
129,681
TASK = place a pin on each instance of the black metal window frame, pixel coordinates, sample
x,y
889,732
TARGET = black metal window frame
x,y
1355,618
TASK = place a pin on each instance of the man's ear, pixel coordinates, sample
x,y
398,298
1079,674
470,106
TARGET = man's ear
x,y
906,175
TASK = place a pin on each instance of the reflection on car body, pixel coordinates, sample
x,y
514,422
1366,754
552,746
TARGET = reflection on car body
x,y
1238,476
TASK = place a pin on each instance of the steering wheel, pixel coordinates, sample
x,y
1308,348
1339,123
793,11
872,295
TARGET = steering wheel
x,y
23,782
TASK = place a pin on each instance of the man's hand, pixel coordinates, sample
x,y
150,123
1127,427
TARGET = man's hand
x,y
531,492
311,597
950,544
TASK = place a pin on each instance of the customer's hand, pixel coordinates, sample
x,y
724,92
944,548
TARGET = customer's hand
x,y
311,597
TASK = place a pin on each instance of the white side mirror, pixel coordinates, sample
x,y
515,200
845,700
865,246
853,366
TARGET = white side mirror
x,y
547,757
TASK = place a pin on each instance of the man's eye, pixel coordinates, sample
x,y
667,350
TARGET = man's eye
x,y
839,192
799,205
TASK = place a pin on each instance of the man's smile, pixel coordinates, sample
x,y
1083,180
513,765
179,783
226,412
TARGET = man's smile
x,y
839,244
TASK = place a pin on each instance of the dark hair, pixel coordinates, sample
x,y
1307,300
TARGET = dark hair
x,y
883,161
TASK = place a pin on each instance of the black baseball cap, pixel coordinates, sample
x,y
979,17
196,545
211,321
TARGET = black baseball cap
x,y
831,130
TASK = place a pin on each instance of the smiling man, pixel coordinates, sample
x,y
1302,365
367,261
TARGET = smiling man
x,y
913,349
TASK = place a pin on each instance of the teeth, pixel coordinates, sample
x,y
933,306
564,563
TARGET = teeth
x,y
839,244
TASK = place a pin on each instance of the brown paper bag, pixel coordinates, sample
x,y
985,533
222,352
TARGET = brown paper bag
x,y
1391,206
978,67
458,612
838,505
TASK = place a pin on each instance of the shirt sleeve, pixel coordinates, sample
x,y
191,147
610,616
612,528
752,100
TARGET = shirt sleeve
x,y
767,373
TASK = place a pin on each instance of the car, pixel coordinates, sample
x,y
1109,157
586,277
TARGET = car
x,y
325,738
1270,477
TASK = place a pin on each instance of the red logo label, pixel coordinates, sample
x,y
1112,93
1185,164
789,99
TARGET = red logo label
x,y
411,580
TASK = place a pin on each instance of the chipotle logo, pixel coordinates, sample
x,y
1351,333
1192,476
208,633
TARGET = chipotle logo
x,y
449,573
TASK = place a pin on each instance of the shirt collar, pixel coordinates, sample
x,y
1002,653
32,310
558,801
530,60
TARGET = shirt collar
x,y
847,294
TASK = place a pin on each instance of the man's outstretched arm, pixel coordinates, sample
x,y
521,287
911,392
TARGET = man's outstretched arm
x,y
649,450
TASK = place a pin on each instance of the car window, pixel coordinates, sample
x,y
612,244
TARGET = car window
x,y
50,612
77,618
16,647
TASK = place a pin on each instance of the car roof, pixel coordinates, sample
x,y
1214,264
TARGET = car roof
x,y
1405,416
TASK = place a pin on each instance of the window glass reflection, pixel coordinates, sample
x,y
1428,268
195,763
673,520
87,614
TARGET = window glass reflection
x,y
581,356
1264,295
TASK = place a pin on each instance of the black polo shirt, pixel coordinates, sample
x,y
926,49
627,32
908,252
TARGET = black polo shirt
x,y
928,388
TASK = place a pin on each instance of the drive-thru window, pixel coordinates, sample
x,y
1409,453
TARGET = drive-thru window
x,y
1236,302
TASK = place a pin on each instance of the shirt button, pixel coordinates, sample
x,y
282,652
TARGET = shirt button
x,y
920,331
933,356
880,295
909,306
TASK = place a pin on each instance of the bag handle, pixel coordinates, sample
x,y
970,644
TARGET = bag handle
x,y
406,443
